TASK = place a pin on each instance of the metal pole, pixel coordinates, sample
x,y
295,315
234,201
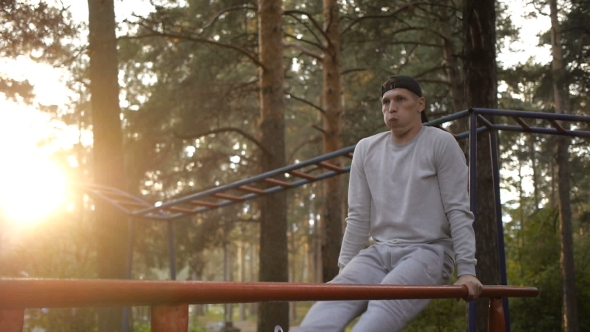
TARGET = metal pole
x,y
499,223
172,250
131,239
472,191
169,318
12,320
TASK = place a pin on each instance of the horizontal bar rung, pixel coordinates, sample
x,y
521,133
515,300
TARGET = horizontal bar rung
x,y
304,175
230,197
278,182
557,126
522,123
331,167
203,203
49,293
252,190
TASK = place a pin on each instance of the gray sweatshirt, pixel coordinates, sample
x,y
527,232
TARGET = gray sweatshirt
x,y
415,192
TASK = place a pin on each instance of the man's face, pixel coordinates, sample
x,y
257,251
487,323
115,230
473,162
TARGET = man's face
x,y
401,110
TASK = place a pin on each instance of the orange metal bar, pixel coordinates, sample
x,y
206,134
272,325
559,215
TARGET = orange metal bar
x,y
496,320
12,320
557,126
521,122
230,197
203,203
31,293
252,190
169,318
278,182
331,167
304,175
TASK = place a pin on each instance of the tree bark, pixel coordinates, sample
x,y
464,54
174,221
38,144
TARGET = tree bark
x,y
451,62
332,141
481,84
561,98
273,219
108,164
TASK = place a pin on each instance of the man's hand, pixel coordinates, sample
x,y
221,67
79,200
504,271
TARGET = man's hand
x,y
473,285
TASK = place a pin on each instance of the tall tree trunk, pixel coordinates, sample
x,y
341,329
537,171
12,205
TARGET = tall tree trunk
x,y
561,96
451,62
453,70
332,221
274,260
481,84
111,226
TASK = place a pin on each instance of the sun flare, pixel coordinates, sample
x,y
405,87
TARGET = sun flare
x,y
31,190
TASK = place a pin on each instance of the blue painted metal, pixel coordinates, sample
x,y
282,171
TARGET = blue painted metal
x,y
549,131
261,177
499,223
178,208
533,115
472,194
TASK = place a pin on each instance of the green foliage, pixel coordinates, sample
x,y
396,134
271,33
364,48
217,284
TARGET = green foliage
x,y
37,30
440,316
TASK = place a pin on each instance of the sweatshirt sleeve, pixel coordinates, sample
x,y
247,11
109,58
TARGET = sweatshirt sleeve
x,y
453,179
356,233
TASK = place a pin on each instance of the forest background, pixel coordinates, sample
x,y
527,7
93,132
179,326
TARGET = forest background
x,y
168,98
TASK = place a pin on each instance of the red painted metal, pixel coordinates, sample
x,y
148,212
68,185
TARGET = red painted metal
x,y
12,320
496,320
169,318
47,293
278,182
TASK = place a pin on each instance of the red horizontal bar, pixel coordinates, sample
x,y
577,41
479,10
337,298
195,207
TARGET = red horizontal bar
x,y
522,123
331,167
278,182
203,203
229,197
252,190
557,126
54,293
304,175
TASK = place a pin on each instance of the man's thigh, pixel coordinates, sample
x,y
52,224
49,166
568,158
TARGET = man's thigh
x,y
367,267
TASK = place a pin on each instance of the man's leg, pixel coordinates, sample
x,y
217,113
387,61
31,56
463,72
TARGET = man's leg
x,y
416,265
333,316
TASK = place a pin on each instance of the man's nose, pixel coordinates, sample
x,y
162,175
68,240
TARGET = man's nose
x,y
392,108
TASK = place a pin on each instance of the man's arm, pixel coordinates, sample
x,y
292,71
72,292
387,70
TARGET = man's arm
x,y
452,174
359,210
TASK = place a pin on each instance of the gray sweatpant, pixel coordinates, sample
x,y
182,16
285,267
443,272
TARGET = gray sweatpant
x,y
381,263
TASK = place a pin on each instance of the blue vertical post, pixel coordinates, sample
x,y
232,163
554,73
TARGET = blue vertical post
x,y
126,310
472,190
172,250
499,224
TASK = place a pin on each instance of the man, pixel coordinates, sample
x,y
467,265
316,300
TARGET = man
x,y
408,192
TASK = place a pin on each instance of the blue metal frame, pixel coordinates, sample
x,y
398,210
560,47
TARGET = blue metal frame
x,y
472,193
169,211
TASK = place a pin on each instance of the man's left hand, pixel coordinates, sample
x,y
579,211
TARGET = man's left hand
x,y
474,286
